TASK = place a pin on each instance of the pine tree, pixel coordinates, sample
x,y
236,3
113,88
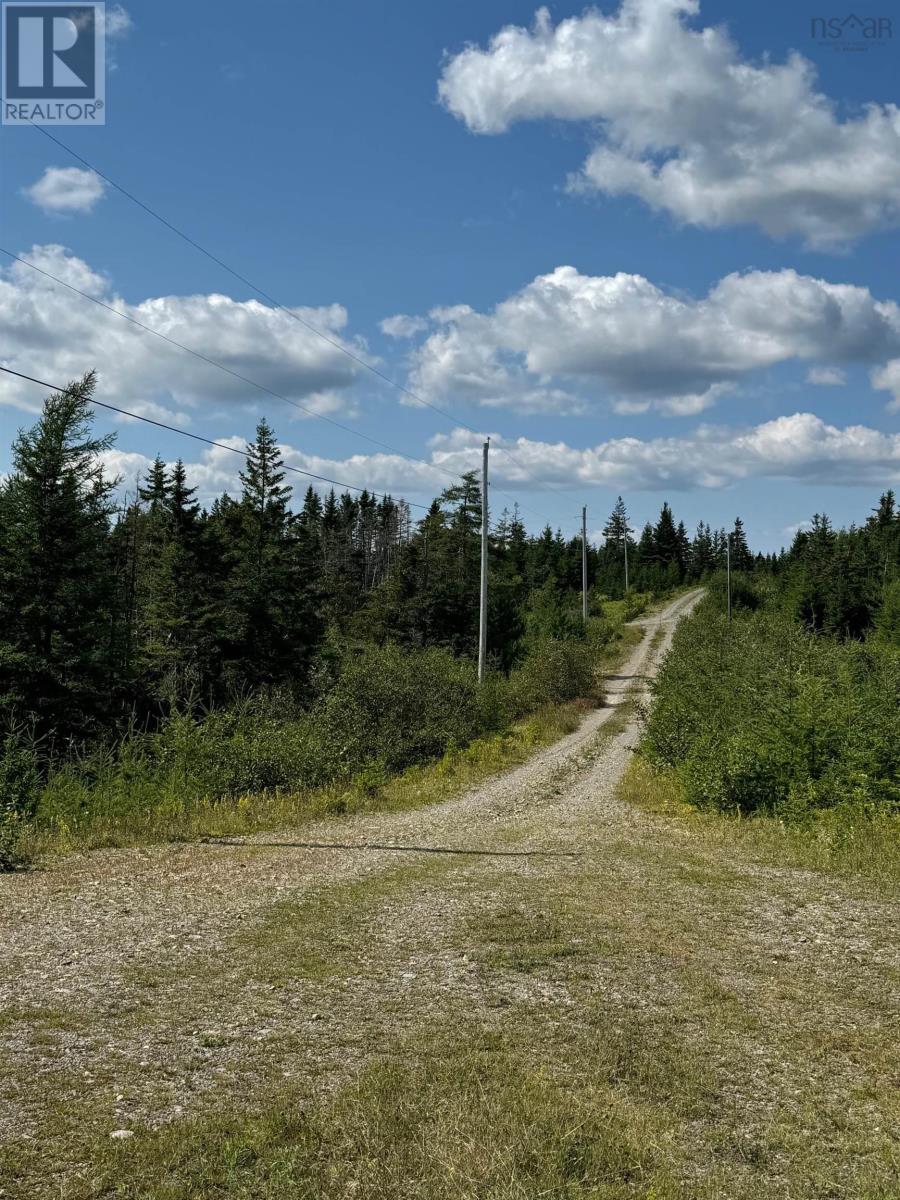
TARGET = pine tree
x,y
155,489
665,538
616,528
180,601
703,557
182,507
683,549
269,627
741,558
646,547
57,585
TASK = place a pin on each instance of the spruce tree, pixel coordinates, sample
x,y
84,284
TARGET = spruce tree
x,y
665,538
741,558
616,528
57,585
155,490
269,628
180,649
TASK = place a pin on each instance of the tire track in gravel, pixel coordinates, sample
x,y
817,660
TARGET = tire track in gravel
x,y
154,977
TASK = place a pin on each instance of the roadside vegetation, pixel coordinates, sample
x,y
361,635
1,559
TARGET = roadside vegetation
x,y
652,1016
786,718
249,768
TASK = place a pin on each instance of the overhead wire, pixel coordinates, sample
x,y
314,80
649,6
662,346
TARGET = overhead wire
x,y
352,487
222,367
455,475
338,345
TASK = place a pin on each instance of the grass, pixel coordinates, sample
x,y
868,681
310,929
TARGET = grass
x,y
445,1120
601,1056
842,841
658,1018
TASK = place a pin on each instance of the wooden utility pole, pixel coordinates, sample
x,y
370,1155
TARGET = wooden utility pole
x,y
482,612
584,585
728,570
626,557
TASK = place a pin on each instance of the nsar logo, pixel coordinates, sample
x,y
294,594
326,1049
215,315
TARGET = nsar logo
x,y
852,32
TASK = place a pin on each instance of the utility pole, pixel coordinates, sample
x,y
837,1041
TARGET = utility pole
x,y
626,557
482,612
584,588
728,570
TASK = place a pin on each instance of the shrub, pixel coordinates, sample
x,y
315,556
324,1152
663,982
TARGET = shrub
x,y
396,707
19,786
387,708
635,605
554,672
748,592
758,715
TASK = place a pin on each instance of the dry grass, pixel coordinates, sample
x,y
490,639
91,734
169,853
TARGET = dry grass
x,y
841,841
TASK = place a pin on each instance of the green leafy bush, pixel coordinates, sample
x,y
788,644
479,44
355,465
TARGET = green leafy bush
x,y
386,708
758,715
19,786
554,672
395,707
635,604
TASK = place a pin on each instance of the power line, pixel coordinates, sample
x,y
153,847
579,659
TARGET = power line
x,y
276,303
212,362
352,487
229,371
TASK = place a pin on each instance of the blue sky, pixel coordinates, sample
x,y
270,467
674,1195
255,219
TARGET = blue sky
x,y
307,145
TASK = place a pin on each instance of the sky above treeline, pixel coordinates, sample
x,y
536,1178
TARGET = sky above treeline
x,y
648,249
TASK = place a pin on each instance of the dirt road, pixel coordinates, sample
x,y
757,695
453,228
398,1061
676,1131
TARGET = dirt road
x,y
142,987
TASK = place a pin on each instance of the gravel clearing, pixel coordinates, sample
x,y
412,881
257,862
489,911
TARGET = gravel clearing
x,y
147,984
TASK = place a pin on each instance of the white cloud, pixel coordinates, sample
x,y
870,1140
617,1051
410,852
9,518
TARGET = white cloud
x,y
402,326
793,530
127,466
218,468
57,336
566,338
66,190
118,21
800,447
687,124
826,376
887,378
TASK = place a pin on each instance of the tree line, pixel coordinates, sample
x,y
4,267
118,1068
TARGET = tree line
x,y
111,611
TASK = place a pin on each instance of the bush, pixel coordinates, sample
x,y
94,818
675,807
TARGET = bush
x,y
635,605
396,707
19,787
758,715
387,708
748,592
554,672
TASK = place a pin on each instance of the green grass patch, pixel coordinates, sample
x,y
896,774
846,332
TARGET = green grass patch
x,y
478,1115
843,839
